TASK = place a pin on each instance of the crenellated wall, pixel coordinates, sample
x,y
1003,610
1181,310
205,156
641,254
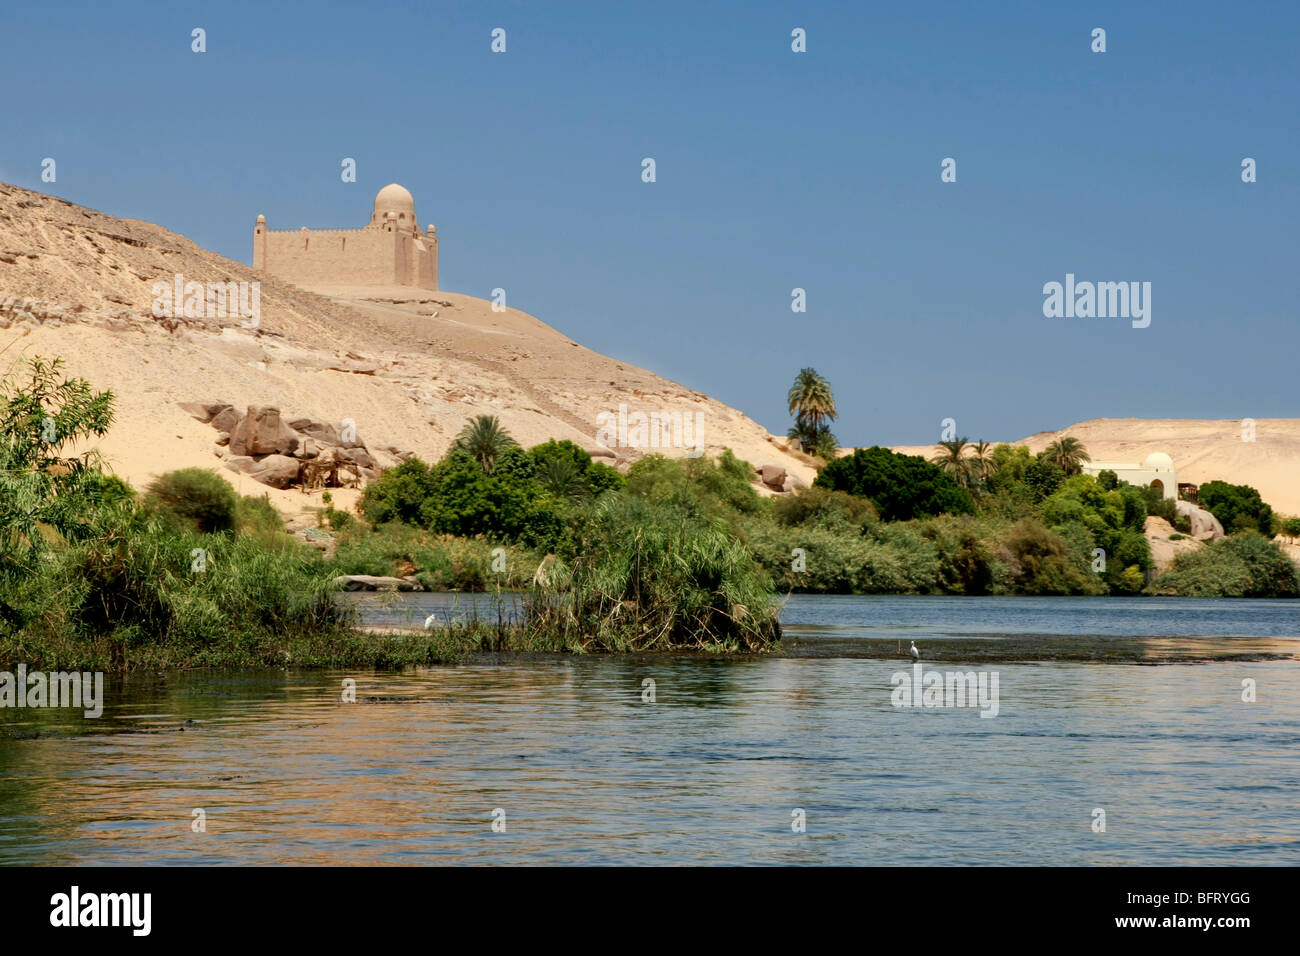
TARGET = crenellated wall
x,y
374,255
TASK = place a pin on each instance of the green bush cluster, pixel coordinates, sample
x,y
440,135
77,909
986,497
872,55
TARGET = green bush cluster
x,y
901,487
1246,564
1238,507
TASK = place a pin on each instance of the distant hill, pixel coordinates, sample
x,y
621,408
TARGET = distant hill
x,y
1202,450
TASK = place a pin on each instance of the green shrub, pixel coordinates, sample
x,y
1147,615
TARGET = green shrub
x,y
1040,562
1238,507
821,506
902,487
195,498
718,489
1246,564
458,497
595,478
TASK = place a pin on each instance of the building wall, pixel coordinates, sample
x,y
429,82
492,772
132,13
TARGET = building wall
x,y
1136,474
370,256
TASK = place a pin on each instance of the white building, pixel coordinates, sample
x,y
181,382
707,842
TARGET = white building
x,y
1157,470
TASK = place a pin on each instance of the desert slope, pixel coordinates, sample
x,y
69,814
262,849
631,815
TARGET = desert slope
x,y
409,366
1202,450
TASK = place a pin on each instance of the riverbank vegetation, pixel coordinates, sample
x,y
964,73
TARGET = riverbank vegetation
x,y
676,554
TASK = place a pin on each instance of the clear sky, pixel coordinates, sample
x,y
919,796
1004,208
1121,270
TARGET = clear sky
x,y
775,170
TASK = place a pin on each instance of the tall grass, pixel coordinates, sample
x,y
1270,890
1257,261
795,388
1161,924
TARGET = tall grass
x,y
440,562
652,577
144,592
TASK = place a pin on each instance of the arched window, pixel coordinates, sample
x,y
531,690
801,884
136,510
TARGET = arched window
x,y
1158,485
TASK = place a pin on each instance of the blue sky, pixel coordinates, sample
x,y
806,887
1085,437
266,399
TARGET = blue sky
x,y
775,170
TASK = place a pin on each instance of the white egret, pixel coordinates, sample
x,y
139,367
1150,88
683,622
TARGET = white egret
x,y
916,655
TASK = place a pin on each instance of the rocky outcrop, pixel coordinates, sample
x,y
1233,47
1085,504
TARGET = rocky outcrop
x,y
777,478
1205,527
1166,544
305,452
278,471
260,432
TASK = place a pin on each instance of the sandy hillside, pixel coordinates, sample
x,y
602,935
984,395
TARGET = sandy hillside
x,y
1202,450
408,366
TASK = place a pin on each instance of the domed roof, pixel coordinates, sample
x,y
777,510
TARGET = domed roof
x,y
1158,461
392,196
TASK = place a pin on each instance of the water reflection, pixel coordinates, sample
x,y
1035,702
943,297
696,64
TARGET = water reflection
x,y
709,773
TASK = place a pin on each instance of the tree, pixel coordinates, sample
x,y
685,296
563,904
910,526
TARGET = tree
x,y
485,441
951,457
902,487
562,479
1238,507
812,404
1066,453
810,399
596,477
982,460
41,413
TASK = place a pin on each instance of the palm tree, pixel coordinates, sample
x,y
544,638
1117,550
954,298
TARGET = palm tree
x,y
1068,454
484,439
982,460
951,457
562,478
810,400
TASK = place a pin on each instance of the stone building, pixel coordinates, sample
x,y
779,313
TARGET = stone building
x,y
391,250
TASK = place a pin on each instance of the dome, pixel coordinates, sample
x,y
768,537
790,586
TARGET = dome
x,y
397,200
1158,461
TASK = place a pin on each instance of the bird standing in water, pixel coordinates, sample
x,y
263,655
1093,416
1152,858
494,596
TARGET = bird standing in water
x,y
916,655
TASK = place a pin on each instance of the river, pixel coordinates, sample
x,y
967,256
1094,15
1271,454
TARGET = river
x,y
799,758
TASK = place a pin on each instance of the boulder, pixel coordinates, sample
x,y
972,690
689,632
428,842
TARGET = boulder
x,y
278,471
356,456
203,411
323,432
225,420
309,448
241,463
773,476
260,432
1205,527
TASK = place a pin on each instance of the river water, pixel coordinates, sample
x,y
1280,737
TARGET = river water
x,y
582,768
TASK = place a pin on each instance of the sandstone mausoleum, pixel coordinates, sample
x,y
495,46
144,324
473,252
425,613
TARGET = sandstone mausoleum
x,y
391,250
